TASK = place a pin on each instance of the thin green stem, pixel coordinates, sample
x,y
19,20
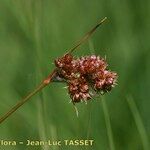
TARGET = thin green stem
x,y
106,112
108,124
138,122
26,98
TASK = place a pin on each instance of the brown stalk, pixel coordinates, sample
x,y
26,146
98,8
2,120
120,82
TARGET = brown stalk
x,y
26,98
86,36
48,80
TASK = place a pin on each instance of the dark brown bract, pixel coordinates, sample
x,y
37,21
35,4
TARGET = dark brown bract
x,y
85,75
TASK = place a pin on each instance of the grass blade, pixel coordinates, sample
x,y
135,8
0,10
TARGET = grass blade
x,y
108,124
138,122
105,110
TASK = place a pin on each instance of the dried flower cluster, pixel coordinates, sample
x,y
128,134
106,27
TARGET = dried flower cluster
x,y
85,75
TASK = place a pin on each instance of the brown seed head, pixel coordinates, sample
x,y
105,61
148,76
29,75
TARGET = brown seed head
x,y
91,64
67,66
78,89
83,74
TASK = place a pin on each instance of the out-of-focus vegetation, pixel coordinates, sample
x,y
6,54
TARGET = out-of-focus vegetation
x,y
34,32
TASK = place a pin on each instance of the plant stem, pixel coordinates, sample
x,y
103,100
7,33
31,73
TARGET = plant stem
x,y
87,35
139,122
108,124
26,98
49,78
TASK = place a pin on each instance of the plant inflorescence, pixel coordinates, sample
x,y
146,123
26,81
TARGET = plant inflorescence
x,y
85,76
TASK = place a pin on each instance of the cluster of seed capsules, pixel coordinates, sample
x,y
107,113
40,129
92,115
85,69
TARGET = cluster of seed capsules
x,y
85,75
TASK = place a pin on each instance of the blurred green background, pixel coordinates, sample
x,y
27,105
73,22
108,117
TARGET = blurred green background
x,y
34,32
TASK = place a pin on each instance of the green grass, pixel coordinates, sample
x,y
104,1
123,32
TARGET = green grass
x,y
34,32
139,123
108,124
105,110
